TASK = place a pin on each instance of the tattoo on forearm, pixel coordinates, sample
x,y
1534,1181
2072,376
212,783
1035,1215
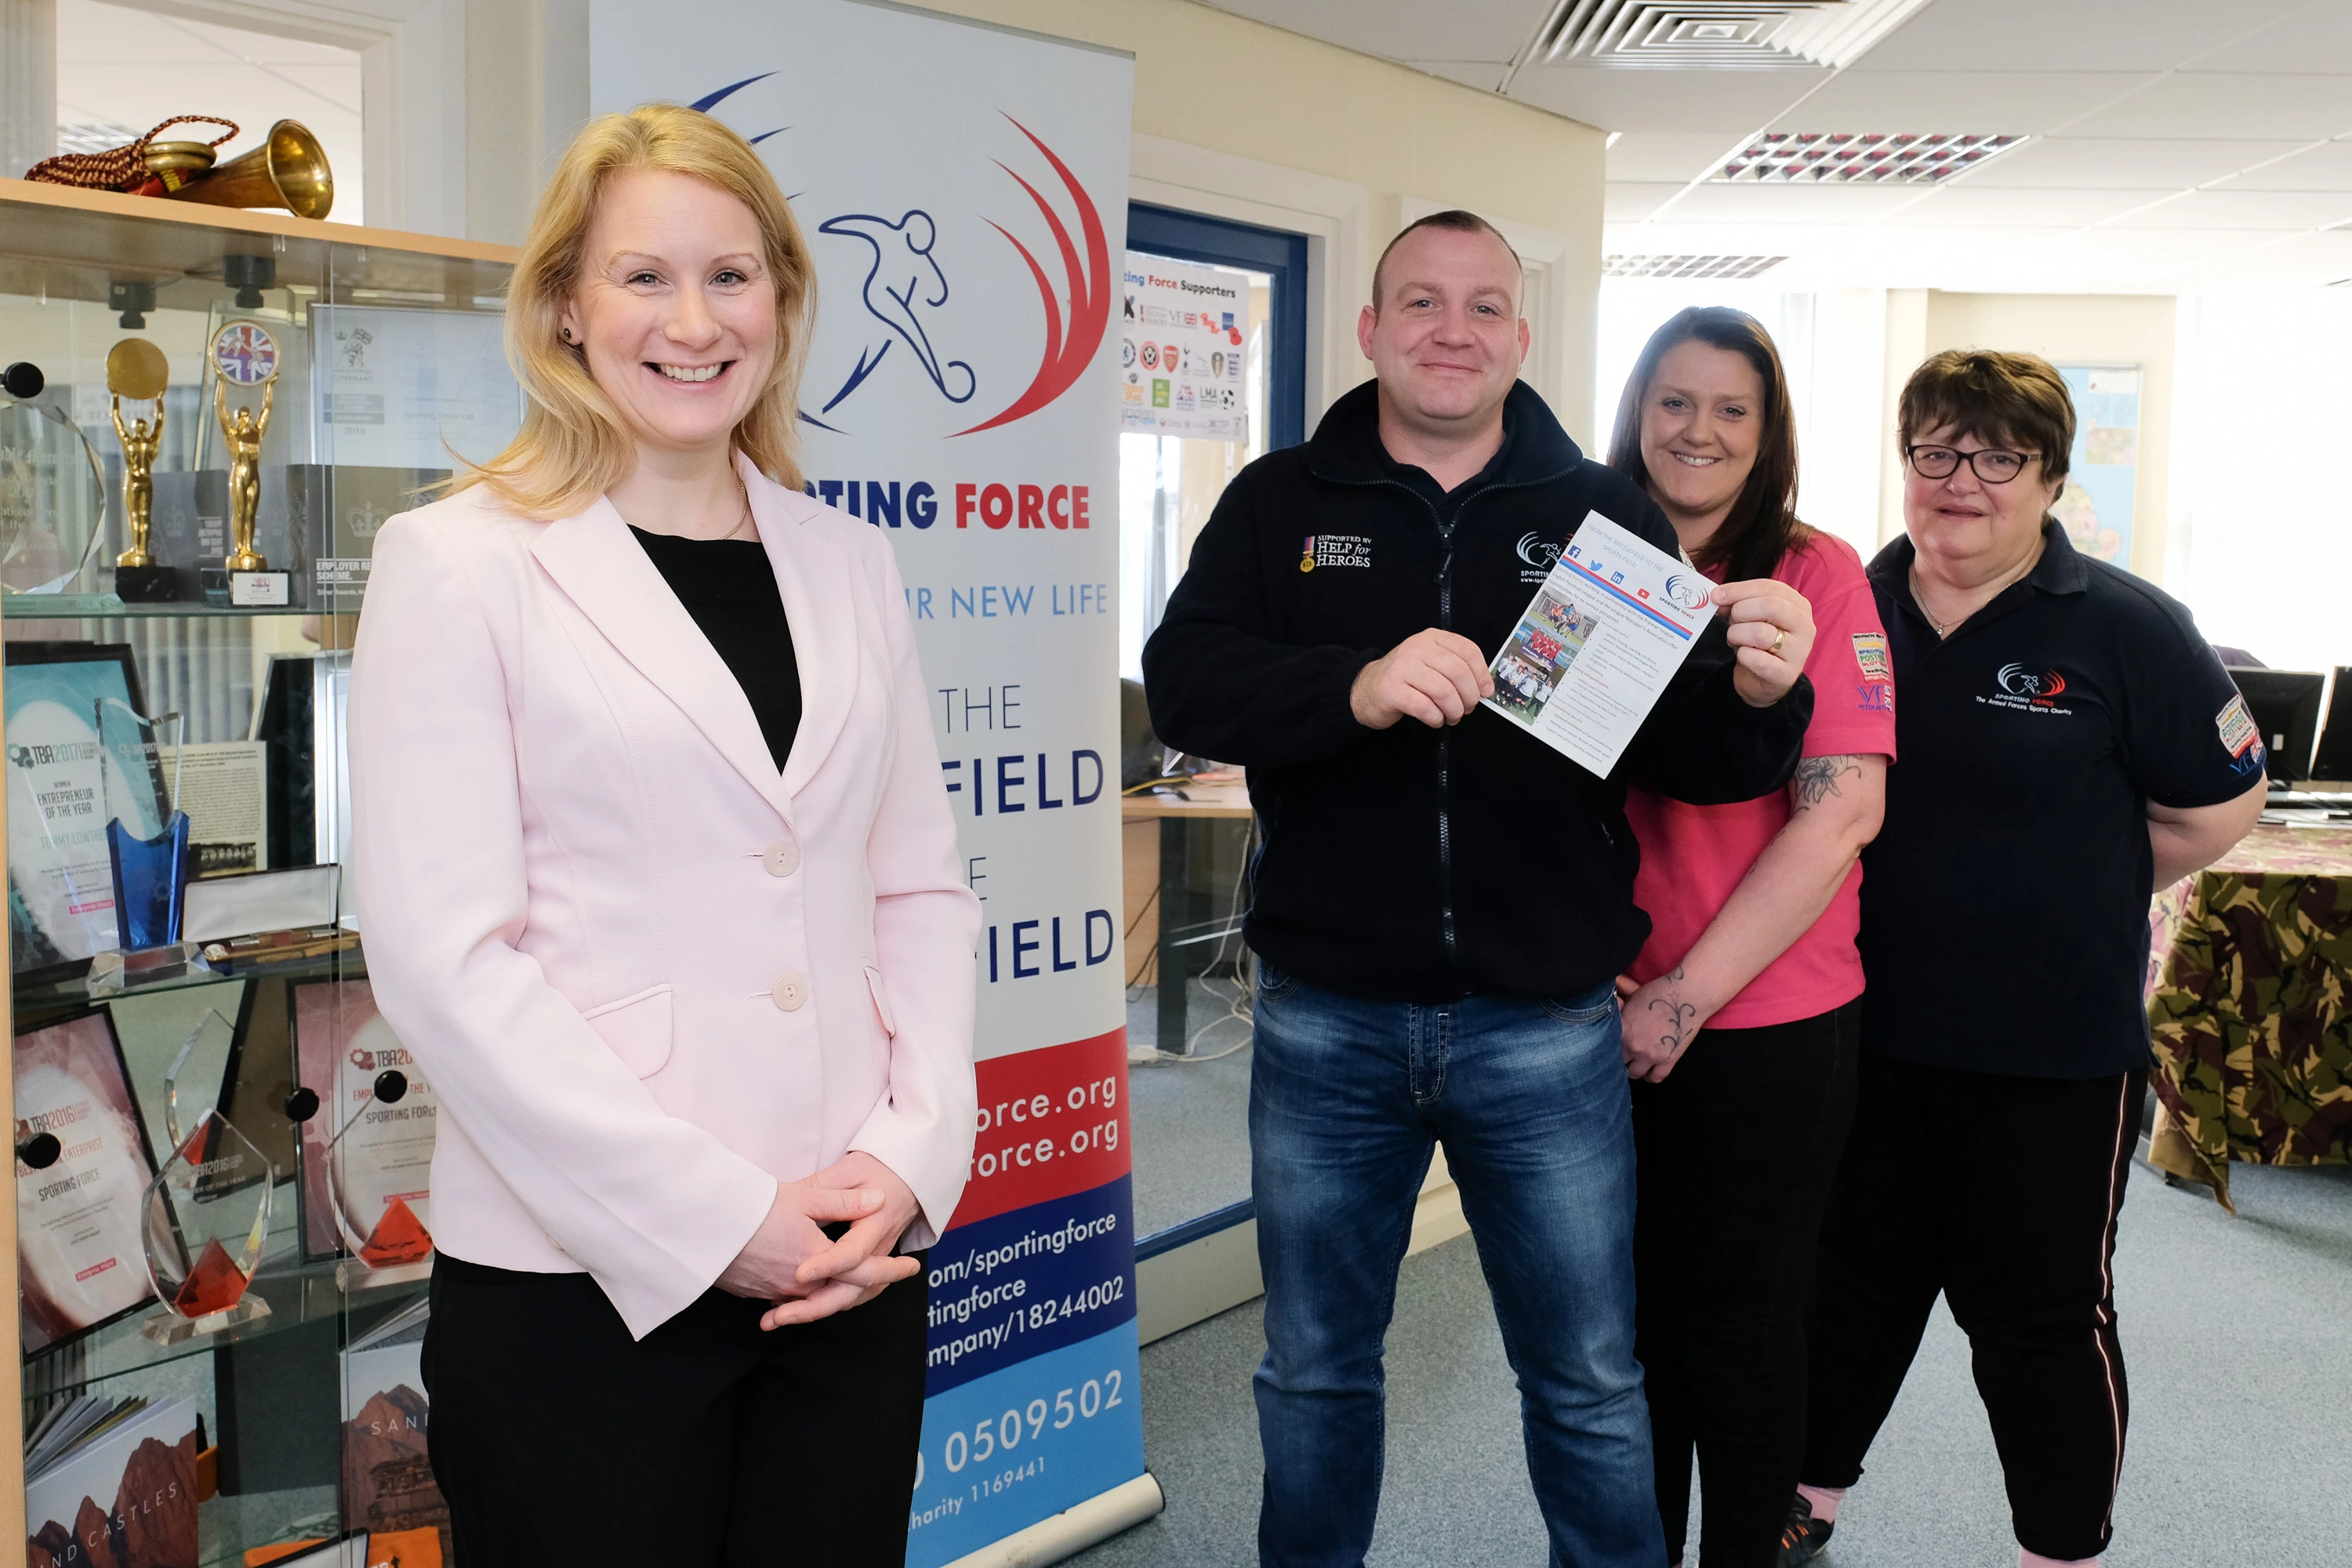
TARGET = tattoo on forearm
x,y
1817,779
1673,1012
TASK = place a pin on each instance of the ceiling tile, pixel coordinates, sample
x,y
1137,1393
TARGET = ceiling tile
x,y
1681,102
1789,204
2328,167
2066,35
2123,163
1629,202
1970,205
1666,156
1459,30
2005,101
2315,38
2236,105
2226,209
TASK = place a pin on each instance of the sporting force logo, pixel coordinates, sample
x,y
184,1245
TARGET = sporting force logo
x,y
2018,685
906,287
1689,593
2019,682
1536,555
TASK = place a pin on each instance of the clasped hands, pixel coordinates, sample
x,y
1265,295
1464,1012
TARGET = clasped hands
x,y
1438,677
789,1260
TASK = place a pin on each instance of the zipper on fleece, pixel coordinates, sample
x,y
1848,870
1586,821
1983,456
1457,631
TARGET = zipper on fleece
x,y
1445,741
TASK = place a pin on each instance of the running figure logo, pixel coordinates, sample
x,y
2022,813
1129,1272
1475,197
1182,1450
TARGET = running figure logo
x,y
904,280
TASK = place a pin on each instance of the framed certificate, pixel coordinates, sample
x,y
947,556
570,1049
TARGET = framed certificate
x,y
80,1254
78,758
371,1193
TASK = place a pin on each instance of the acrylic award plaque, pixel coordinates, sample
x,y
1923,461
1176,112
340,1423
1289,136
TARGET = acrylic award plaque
x,y
151,876
53,502
206,1221
388,1243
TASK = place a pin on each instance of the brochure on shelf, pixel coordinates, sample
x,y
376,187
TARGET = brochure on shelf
x,y
387,1477
125,1496
80,1253
1599,642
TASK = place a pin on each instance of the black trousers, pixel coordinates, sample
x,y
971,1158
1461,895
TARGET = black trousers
x,y
1737,1150
2002,1193
558,1441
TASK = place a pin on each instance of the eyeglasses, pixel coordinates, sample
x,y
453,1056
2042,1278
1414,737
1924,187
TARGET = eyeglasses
x,y
1991,464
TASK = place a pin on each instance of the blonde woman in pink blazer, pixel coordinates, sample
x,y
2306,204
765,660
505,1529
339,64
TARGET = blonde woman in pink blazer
x,y
658,882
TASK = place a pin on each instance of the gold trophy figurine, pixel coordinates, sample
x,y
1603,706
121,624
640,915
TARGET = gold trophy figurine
x,y
136,369
245,355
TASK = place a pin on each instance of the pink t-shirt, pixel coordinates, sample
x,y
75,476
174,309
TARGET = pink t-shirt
x,y
1694,856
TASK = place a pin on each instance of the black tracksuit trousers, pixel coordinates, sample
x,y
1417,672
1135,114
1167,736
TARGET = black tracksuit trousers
x,y
1737,1150
2001,1192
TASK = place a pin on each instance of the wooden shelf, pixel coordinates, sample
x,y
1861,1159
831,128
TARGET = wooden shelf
x,y
65,242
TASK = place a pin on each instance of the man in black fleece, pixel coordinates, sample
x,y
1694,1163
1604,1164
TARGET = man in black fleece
x,y
1444,902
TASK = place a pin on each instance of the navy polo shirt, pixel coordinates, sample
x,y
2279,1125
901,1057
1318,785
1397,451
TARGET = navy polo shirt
x,y
2005,903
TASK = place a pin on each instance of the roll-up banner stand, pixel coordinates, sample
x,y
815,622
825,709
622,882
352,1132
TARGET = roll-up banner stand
x,y
964,190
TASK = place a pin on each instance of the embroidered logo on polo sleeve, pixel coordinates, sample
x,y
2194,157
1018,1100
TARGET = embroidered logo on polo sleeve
x,y
1870,653
2237,726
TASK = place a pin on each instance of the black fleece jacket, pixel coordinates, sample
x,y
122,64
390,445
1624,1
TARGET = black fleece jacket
x,y
1413,864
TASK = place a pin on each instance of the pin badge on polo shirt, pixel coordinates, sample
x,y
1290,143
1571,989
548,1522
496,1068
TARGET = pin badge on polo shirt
x,y
1334,550
2240,737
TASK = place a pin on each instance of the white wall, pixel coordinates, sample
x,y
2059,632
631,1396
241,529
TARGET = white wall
x,y
2262,514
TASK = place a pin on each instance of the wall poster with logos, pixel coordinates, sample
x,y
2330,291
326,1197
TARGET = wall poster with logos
x,y
1183,349
963,189
2095,506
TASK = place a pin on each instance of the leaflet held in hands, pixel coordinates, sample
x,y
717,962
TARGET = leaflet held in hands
x,y
1599,642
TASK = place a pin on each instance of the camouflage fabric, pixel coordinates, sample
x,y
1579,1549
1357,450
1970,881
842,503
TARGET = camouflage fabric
x,y
2250,1015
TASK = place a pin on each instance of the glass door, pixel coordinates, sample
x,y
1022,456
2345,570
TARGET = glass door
x,y
1214,376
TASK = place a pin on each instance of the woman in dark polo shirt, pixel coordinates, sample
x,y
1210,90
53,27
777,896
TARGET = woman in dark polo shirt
x,y
2069,742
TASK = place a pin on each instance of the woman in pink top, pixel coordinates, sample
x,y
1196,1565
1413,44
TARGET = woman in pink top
x,y
1741,1015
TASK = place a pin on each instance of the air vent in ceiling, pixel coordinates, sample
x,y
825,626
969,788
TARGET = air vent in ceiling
x,y
1689,266
1716,34
1844,158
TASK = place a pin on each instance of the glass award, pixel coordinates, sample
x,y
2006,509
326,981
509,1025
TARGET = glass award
x,y
151,873
371,1177
151,880
53,502
206,1222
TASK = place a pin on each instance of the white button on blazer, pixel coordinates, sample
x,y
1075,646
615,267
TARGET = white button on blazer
x,y
569,851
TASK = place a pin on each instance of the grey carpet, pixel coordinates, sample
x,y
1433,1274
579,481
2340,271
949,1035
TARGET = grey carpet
x,y
1191,1118
2241,1443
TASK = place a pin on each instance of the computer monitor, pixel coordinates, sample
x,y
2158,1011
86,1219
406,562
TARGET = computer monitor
x,y
2285,707
2332,759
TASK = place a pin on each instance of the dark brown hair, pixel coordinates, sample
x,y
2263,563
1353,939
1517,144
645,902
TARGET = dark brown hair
x,y
2008,399
1453,219
1762,525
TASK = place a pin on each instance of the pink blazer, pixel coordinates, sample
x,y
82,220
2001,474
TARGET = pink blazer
x,y
647,977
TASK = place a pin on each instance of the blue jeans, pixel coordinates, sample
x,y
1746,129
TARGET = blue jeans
x,y
1529,1099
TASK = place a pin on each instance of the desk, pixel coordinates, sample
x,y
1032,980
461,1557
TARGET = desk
x,y
2249,1009
1192,927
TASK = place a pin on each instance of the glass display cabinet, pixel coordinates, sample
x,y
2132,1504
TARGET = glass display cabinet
x,y
223,1226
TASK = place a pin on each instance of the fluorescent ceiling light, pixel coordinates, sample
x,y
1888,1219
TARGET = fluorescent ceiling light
x,y
1853,158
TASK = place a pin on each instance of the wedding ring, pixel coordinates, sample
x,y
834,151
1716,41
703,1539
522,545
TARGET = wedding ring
x,y
1776,642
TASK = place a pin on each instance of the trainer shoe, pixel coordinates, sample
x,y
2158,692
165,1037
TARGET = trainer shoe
x,y
1802,1538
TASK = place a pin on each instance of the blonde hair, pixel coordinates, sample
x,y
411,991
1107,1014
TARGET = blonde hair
x,y
573,447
